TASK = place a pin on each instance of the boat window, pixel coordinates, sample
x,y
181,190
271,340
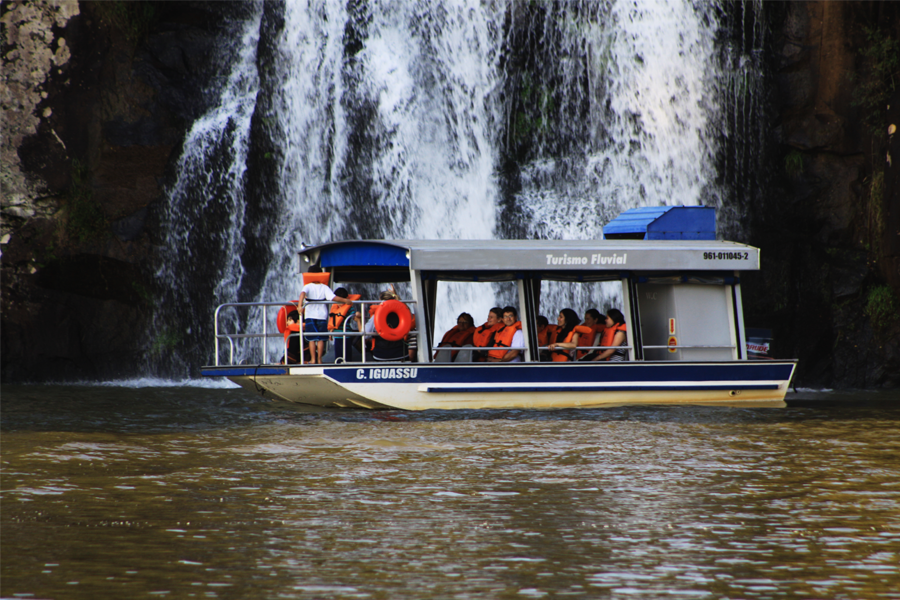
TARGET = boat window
x,y
475,298
686,322
554,296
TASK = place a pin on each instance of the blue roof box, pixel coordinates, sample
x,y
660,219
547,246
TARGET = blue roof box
x,y
663,223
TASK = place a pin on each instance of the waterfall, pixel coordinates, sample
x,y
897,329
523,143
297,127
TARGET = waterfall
x,y
454,119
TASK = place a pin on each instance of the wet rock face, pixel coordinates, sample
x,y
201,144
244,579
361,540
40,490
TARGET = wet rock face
x,y
31,52
820,228
95,105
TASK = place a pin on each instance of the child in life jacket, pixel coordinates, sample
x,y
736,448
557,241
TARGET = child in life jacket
x,y
509,336
458,336
292,340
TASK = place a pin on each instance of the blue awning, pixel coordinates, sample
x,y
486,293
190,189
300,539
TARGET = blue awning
x,y
663,223
363,254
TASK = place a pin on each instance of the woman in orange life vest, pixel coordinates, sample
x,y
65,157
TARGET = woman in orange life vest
x,y
615,335
566,336
459,335
508,336
484,335
593,320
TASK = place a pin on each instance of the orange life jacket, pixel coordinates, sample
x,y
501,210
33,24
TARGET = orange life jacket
x,y
503,339
546,337
482,335
588,340
338,312
563,355
316,278
456,338
610,335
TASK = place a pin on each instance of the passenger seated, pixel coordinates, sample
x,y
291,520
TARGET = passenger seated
x,y
508,336
484,335
382,349
546,334
458,336
594,321
344,317
615,335
566,336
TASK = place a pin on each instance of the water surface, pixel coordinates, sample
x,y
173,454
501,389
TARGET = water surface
x,y
113,492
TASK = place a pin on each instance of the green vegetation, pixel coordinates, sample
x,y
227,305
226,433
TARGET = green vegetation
x,y
85,221
881,307
793,163
133,18
165,342
882,70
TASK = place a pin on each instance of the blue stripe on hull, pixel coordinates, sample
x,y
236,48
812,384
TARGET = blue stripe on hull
x,y
232,371
591,388
567,373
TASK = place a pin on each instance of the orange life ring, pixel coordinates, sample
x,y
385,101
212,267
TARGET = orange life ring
x,y
281,319
393,334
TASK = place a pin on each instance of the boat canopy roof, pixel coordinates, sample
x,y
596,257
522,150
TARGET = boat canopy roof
x,y
663,223
534,255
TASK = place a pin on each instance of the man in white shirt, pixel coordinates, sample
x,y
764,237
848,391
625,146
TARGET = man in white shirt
x,y
316,315
503,338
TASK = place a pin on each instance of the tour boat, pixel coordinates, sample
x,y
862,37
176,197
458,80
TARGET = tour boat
x,y
680,293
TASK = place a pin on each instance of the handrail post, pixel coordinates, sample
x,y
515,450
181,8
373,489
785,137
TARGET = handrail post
x,y
265,355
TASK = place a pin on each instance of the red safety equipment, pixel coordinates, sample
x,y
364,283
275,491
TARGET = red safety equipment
x,y
610,335
563,355
588,340
338,313
283,312
455,338
503,339
316,278
546,337
482,335
385,331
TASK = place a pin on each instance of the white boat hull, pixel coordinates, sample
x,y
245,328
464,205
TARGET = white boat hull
x,y
523,386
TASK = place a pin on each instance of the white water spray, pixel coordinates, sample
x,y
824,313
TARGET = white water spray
x,y
391,121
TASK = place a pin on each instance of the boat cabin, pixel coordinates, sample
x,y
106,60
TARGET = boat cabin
x,y
679,287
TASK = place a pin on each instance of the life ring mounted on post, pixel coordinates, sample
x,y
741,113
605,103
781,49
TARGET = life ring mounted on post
x,y
405,320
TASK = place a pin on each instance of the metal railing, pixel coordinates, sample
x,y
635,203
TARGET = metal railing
x,y
571,351
264,335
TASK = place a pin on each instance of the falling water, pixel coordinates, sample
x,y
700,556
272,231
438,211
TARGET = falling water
x,y
460,120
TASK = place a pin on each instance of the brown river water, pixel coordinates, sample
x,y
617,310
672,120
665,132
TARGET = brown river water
x,y
193,492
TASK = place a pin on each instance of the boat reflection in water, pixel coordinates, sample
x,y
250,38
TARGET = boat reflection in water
x,y
681,294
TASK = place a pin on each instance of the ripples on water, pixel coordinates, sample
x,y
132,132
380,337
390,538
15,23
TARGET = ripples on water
x,y
182,491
